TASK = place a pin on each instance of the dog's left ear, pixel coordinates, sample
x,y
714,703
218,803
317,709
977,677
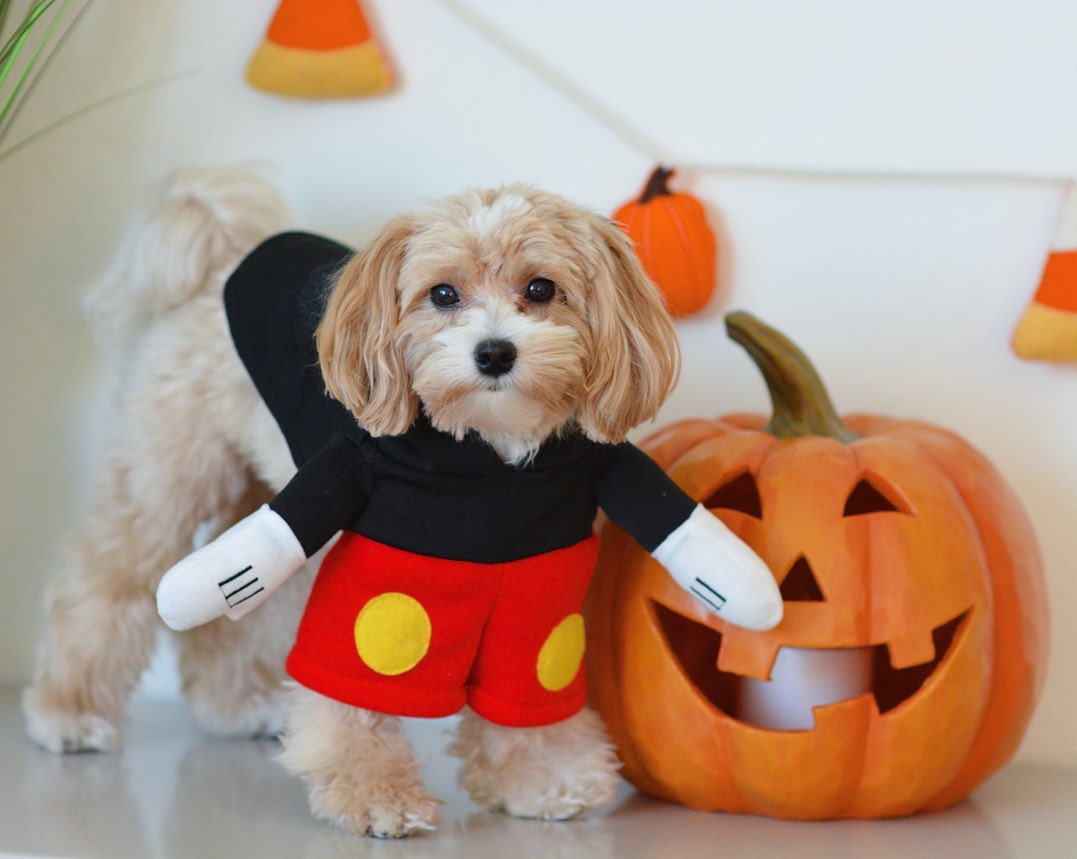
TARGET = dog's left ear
x,y
635,357
359,349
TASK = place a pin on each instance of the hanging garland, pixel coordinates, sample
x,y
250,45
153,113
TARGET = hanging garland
x,y
1047,332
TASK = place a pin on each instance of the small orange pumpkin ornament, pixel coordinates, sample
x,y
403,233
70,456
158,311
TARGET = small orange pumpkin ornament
x,y
895,537
674,242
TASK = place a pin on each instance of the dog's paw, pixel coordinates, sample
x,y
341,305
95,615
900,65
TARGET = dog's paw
x,y
554,772
399,820
378,810
548,795
66,733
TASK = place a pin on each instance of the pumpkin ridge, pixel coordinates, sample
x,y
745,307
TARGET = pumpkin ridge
x,y
698,289
986,757
865,563
665,221
705,269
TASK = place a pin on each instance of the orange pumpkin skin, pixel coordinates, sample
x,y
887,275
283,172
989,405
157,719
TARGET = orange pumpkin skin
x,y
674,243
960,546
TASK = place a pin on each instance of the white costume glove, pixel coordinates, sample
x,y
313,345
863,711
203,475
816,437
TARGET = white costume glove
x,y
718,569
233,574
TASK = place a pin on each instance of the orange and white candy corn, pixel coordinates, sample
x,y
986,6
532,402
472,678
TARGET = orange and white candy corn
x,y
1048,330
320,49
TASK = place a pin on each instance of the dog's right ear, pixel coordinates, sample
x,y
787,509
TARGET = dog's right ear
x,y
358,339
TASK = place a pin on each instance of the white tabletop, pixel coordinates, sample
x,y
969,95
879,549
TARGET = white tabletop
x,y
172,792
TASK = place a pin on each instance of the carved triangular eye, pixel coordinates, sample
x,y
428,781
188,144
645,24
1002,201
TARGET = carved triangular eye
x,y
867,498
739,494
800,585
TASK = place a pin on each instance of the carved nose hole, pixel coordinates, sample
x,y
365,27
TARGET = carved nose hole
x,y
868,498
800,585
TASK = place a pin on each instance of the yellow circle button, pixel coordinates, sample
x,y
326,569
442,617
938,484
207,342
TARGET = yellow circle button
x,y
559,658
392,633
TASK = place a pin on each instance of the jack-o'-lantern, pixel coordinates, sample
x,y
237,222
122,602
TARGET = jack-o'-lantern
x,y
905,561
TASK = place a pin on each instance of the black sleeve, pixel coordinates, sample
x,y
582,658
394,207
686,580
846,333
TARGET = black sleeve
x,y
274,301
325,495
639,496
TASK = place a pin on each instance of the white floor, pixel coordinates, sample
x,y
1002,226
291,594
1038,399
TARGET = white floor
x,y
174,793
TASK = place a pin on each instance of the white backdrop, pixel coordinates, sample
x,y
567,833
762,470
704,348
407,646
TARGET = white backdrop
x,y
904,292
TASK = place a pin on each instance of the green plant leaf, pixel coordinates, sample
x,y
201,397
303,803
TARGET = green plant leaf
x,y
40,71
95,106
9,103
5,7
10,51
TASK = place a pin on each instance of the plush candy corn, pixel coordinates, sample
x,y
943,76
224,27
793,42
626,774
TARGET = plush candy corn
x,y
319,49
1048,330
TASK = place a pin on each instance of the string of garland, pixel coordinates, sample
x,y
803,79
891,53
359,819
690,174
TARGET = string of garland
x,y
1047,330
644,144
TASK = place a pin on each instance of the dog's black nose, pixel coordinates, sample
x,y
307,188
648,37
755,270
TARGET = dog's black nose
x,y
495,357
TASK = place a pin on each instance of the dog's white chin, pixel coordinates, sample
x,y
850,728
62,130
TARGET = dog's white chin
x,y
514,424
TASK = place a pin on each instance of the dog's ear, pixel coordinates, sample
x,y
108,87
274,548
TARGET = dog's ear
x,y
359,349
635,355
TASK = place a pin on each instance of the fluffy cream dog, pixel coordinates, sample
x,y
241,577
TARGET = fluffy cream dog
x,y
510,316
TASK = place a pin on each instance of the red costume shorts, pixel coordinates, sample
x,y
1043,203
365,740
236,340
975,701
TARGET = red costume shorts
x,y
400,633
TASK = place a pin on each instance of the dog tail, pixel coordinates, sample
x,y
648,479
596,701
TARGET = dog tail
x,y
200,223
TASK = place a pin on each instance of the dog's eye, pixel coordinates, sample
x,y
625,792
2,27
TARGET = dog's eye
x,y
444,295
540,290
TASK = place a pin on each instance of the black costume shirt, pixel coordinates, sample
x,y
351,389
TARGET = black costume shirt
x,y
422,491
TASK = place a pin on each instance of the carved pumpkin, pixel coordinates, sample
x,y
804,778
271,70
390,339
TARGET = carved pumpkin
x,y
673,242
892,539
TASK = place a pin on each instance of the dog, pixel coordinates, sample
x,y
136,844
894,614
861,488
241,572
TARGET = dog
x,y
507,334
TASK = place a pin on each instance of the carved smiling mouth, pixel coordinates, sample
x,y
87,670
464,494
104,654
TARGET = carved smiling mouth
x,y
696,648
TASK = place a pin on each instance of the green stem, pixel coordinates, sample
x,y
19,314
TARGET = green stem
x,y
802,406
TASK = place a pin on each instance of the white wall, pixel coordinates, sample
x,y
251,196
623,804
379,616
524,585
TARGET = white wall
x,y
904,292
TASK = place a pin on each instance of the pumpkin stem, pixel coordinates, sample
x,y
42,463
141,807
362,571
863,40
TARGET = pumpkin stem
x,y
802,406
656,185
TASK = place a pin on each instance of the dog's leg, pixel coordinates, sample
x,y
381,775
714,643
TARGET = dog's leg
x,y
358,766
101,617
100,635
101,620
232,673
166,470
553,772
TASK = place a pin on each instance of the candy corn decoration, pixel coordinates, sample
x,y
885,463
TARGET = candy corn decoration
x,y
319,49
1048,330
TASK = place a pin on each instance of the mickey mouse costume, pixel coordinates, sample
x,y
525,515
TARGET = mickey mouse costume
x,y
458,578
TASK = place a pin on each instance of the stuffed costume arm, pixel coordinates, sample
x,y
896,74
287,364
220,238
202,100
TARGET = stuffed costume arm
x,y
701,554
241,568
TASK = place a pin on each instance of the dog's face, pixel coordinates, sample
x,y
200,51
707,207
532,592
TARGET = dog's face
x,y
510,312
